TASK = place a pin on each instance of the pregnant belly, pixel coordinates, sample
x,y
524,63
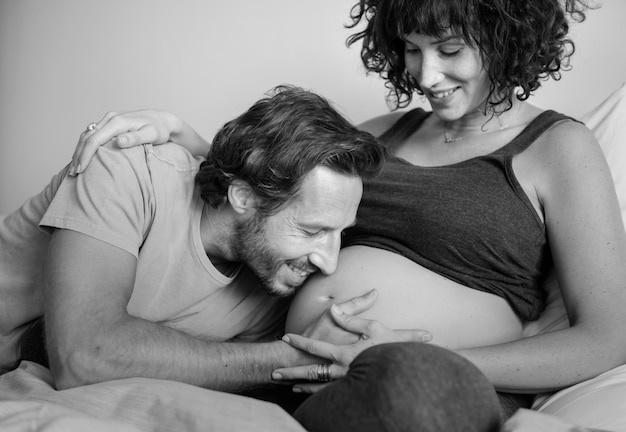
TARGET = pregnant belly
x,y
409,297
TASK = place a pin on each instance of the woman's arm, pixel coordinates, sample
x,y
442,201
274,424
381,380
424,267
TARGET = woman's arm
x,y
134,128
588,243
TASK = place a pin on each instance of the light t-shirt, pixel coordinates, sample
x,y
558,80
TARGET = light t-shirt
x,y
144,201
23,248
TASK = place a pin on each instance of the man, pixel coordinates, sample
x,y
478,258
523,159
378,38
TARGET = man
x,y
161,265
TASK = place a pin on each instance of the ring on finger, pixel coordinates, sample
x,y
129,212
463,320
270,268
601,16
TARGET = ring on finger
x,y
91,126
323,372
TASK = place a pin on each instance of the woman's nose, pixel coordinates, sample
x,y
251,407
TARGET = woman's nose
x,y
430,74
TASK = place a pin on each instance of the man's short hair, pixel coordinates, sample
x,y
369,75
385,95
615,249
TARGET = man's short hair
x,y
279,140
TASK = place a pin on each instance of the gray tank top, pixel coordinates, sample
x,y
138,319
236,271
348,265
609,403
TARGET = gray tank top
x,y
470,221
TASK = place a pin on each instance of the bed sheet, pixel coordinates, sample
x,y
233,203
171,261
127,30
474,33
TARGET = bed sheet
x,y
28,402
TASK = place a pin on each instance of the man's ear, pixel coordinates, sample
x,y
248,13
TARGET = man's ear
x,y
241,197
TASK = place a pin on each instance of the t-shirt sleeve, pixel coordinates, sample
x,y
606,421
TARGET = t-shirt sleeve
x,y
111,201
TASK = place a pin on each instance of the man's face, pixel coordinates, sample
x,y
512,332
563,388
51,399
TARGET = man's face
x,y
304,236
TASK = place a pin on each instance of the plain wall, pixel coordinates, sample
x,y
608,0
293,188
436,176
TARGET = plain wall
x,y
64,63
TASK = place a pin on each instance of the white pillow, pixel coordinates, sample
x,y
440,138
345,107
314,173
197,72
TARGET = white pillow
x,y
599,402
608,123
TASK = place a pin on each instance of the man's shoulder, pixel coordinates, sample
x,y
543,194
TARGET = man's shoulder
x,y
169,154
174,155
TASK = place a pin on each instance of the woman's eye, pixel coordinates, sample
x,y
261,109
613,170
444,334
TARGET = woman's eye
x,y
450,52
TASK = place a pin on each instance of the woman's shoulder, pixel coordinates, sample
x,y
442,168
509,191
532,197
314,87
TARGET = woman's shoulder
x,y
561,151
565,133
552,132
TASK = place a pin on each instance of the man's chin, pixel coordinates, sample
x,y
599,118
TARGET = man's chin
x,y
280,290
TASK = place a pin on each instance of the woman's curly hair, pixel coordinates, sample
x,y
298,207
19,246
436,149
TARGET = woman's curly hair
x,y
520,41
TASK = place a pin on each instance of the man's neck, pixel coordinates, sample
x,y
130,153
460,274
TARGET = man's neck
x,y
215,233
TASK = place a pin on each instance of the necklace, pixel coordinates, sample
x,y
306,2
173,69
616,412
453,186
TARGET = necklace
x,y
447,139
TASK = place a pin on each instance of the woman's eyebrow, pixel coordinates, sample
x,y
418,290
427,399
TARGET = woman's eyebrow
x,y
436,41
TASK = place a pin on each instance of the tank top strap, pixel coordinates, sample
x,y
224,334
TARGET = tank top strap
x,y
534,130
404,127
408,123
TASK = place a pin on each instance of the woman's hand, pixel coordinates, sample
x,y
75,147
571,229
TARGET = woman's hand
x,y
325,328
367,333
134,128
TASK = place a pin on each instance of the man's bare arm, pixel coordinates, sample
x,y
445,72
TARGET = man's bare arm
x,y
92,338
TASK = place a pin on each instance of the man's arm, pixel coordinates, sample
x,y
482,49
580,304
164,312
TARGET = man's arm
x,y
92,338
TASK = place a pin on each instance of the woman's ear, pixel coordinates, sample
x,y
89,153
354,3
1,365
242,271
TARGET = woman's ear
x,y
241,197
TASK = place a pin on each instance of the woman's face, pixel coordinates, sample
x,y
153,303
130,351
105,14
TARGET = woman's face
x,y
450,73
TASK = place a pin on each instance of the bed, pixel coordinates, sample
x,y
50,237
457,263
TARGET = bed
x,y
29,402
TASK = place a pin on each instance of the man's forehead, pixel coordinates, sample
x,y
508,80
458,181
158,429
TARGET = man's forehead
x,y
325,195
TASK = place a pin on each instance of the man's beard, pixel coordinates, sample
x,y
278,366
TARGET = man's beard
x,y
252,248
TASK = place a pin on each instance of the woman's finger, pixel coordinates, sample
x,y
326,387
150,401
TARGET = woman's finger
x,y
145,135
311,346
367,328
94,135
350,322
91,129
359,304
127,132
312,373
415,335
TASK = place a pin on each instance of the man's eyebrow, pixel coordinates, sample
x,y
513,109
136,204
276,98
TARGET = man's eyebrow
x,y
326,227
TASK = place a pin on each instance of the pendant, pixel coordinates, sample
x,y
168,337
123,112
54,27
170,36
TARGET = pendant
x,y
449,140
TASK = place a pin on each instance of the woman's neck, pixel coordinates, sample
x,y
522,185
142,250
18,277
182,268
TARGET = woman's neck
x,y
478,122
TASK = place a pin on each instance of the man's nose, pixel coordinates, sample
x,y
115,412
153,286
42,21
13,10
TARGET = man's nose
x,y
326,254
